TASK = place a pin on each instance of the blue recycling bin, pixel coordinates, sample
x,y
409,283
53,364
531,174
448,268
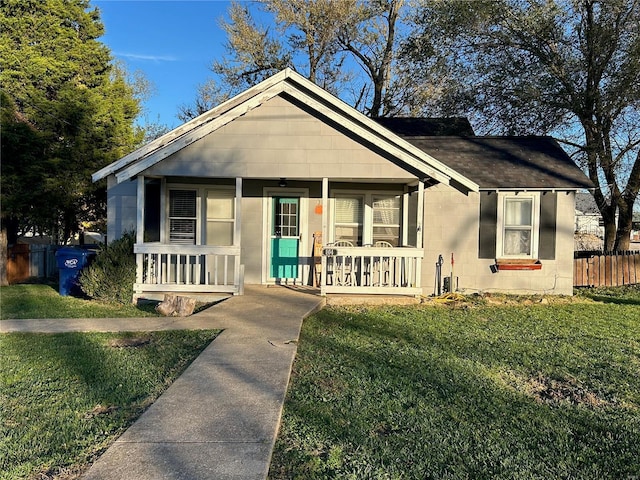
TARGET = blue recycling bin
x,y
71,260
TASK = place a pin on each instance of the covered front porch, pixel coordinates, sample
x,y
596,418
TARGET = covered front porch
x,y
343,238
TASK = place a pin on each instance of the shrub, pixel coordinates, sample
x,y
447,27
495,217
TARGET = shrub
x,y
111,275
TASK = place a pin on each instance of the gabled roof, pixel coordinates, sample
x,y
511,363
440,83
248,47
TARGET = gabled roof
x,y
305,92
508,163
427,126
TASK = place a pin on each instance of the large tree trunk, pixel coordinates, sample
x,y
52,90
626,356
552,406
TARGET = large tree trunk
x,y
623,234
609,232
625,223
625,206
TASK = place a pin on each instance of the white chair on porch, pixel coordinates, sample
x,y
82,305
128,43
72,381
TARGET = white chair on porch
x,y
343,266
381,266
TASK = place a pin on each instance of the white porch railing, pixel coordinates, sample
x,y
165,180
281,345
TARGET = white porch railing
x,y
187,268
367,270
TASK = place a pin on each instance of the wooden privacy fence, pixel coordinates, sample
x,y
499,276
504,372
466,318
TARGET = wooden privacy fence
x,y
613,269
31,261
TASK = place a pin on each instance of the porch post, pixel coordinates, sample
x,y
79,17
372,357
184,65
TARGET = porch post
x,y
419,228
237,239
405,216
140,228
325,232
420,215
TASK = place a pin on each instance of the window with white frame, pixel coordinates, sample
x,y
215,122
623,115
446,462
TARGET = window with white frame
x,y
220,207
386,219
348,219
182,216
369,218
201,215
518,221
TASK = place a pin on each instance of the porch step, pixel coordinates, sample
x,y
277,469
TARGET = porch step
x,y
340,300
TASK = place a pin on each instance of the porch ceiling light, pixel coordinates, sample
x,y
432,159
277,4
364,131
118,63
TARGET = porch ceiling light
x,y
282,183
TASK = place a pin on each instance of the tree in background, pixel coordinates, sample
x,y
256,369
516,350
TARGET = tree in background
x,y
347,47
570,68
67,111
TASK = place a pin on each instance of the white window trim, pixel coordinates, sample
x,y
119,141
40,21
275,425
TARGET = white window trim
x,y
231,191
201,208
267,195
167,209
535,220
367,225
337,195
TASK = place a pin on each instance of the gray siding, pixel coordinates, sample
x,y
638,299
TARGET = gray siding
x,y
452,225
121,208
278,140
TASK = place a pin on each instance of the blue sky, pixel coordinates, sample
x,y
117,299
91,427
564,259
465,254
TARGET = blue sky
x,y
172,42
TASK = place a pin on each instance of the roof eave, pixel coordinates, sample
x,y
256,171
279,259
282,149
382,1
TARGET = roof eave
x,y
303,90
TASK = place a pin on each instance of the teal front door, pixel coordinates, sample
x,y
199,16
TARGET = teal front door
x,y
285,237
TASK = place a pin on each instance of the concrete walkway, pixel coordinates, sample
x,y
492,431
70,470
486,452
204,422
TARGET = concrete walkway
x,y
220,418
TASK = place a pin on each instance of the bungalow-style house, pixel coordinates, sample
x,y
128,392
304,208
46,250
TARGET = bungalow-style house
x,y
286,184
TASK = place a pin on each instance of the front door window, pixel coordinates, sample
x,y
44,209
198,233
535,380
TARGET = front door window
x,y
285,237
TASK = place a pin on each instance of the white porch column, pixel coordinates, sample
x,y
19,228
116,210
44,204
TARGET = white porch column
x,y
325,210
325,232
237,238
420,215
405,216
140,228
420,229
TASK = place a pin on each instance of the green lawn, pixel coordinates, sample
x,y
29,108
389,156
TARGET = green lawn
x,y
65,397
44,301
473,391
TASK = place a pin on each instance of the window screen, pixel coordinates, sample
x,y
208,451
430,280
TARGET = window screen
x,y
182,216
348,219
220,217
386,219
518,226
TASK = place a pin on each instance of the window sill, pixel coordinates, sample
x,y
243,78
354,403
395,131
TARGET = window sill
x,y
508,264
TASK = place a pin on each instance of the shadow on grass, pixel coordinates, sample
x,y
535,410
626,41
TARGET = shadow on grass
x,y
44,301
78,391
610,299
370,398
623,295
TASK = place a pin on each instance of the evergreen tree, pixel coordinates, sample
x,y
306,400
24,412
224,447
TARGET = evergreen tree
x,y
67,111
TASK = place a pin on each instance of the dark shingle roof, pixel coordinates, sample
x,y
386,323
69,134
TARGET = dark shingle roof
x,y
422,126
585,203
506,162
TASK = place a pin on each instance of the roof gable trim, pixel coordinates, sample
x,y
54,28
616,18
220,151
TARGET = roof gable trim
x,y
185,128
304,91
204,130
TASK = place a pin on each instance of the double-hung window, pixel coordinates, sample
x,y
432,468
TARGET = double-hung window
x,y
201,216
349,218
220,217
182,216
386,219
518,226
368,218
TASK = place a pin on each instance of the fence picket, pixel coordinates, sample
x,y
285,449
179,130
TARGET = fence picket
x,y
615,269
